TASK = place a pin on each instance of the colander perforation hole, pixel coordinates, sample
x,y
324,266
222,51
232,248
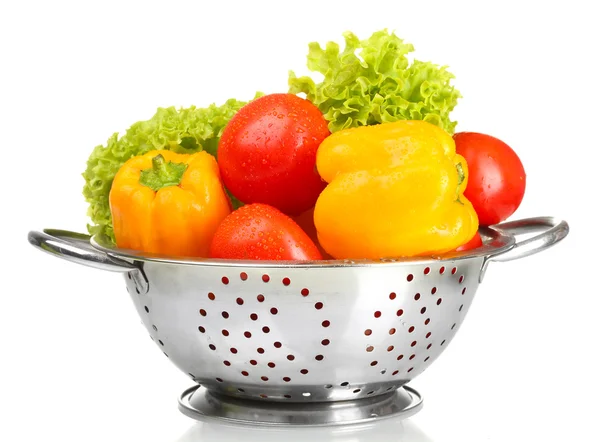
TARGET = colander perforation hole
x,y
287,396
319,305
147,309
277,344
201,329
400,312
463,291
266,278
426,270
274,310
410,369
219,379
390,348
212,347
356,391
439,301
423,310
417,296
243,276
427,321
154,327
254,316
377,314
326,323
411,329
412,357
202,312
426,359
239,301
266,329
429,346
392,331
264,396
138,292
461,307
454,270
433,290
225,332
227,363
325,342
400,357
260,350
443,342
453,325
304,371
395,372
264,378
225,315
428,335
247,334
328,386
233,350
271,364
241,390
370,392
370,348
344,384
461,279
165,354
260,298
319,357
245,373
253,362
442,270
413,343
368,332
290,357
287,379
304,292
374,363
409,277
211,296
225,280
392,296
286,281
161,342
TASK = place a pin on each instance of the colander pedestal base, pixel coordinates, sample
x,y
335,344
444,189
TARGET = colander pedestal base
x,y
200,404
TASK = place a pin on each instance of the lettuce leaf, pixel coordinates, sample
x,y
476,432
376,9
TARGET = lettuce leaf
x,y
185,130
371,82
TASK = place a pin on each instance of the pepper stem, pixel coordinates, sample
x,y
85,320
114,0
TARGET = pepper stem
x,y
162,174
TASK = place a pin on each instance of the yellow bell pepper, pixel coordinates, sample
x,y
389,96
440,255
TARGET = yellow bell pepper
x,y
395,190
168,203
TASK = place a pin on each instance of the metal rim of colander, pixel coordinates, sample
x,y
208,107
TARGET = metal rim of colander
x,y
495,242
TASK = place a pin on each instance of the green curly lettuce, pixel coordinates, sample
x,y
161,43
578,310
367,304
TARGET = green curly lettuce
x,y
371,82
185,130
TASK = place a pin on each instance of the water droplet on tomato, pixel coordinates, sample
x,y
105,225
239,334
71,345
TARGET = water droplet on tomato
x,y
280,116
299,130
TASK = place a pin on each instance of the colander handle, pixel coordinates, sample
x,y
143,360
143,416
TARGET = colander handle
x,y
552,231
76,247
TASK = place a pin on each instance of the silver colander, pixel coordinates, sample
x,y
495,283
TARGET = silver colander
x,y
324,331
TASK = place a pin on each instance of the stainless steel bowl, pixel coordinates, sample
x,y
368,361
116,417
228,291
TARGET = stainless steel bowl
x,y
322,331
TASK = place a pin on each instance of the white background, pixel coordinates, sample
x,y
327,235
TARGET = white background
x,y
75,362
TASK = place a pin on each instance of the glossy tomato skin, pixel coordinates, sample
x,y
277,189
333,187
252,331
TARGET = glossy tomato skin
x,y
261,232
267,152
473,243
497,179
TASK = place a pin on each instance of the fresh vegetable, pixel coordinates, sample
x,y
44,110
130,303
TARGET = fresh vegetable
x,y
267,153
186,130
395,190
473,243
168,203
306,221
372,81
259,231
497,177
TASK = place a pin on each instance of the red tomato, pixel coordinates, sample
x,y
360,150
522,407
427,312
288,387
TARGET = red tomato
x,y
259,231
496,182
306,221
268,150
473,243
